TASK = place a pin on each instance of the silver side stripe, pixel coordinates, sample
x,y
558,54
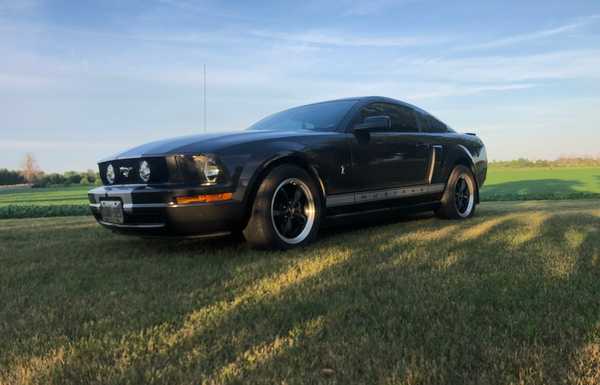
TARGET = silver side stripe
x,y
379,195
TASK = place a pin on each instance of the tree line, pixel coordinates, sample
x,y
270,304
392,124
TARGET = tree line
x,y
14,177
32,174
560,162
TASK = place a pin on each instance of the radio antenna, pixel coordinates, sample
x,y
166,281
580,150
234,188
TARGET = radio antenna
x,y
204,87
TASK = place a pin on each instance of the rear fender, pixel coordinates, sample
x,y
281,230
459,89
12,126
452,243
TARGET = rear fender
x,y
462,156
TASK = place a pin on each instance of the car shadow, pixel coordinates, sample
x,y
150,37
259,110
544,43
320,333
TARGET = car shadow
x,y
363,221
536,189
330,227
523,187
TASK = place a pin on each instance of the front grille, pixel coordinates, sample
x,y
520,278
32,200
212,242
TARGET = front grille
x,y
158,171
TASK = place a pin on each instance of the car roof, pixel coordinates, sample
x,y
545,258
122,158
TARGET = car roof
x,y
372,99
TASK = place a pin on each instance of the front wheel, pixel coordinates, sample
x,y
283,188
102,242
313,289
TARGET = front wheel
x,y
458,201
287,210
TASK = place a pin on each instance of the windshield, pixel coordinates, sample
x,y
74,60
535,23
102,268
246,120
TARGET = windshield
x,y
321,116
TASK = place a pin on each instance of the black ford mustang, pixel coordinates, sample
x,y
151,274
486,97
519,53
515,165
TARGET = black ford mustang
x,y
278,180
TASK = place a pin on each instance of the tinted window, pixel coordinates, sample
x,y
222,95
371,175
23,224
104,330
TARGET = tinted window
x,y
424,122
403,118
431,124
321,116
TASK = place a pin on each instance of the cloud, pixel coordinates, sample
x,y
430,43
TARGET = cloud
x,y
567,64
408,90
536,35
332,38
31,145
22,81
430,91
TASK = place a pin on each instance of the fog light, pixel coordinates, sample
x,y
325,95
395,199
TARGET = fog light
x,y
206,198
110,174
144,171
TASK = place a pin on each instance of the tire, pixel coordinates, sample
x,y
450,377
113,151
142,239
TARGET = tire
x,y
458,201
287,210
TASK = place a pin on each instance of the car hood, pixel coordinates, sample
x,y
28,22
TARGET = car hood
x,y
205,143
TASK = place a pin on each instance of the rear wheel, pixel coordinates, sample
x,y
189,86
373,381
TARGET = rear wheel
x,y
458,201
287,210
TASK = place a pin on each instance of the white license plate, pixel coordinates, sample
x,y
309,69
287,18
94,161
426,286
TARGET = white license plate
x,y
111,211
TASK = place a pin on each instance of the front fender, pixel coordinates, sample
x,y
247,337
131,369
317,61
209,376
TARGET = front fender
x,y
264,157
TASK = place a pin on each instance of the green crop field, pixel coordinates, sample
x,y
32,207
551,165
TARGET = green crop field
x,y
508,297
506,183
43,202
45,196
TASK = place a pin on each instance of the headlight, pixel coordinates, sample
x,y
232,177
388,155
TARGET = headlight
x,y
144,171
208,169
110,174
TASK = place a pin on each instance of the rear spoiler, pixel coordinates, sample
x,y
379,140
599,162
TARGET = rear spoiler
x,y
470,133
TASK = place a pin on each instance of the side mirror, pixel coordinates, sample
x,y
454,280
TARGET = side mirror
x,y
380,122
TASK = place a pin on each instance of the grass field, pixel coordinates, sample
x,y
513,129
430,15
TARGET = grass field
x,y
509,297
541,183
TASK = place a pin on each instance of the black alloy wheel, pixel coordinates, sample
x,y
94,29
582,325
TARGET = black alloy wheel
x,y
459,199
286,211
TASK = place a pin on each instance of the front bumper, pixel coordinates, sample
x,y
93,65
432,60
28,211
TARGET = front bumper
x,y
152,211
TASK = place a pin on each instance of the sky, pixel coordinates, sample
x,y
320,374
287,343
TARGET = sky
x,y
80,80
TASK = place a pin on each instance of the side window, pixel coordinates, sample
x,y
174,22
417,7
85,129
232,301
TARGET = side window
x,y
438,126
403,118
431,124
424,122
374,109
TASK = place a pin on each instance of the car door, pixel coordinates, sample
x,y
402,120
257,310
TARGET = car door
x,y
389,157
